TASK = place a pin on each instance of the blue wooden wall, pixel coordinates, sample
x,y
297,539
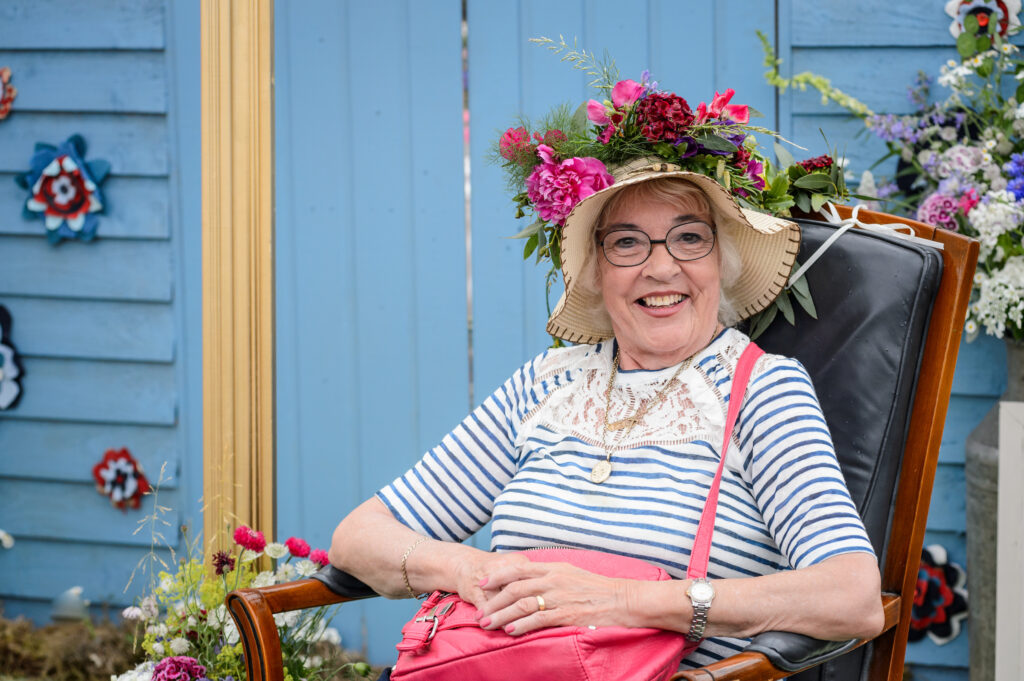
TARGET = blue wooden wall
x,y
108,331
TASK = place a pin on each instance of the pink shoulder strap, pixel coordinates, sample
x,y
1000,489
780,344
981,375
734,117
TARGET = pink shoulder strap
x,y
702,542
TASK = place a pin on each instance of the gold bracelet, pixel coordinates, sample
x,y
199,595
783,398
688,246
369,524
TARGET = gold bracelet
x,y
405,557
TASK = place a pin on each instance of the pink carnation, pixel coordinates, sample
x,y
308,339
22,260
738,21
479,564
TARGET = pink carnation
x,y
181,668
248,538
555,187
297,547
319,556
939,210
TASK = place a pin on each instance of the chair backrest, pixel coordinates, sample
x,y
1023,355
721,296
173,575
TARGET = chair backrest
x,y
885,328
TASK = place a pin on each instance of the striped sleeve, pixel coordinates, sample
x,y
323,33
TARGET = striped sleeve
x,y
790,464
449,494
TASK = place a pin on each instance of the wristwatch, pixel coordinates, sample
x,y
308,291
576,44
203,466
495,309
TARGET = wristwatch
x,y
701,594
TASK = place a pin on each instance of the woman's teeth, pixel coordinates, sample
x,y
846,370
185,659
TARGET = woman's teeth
x,y
662,301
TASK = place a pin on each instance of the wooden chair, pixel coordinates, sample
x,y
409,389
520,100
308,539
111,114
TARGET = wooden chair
x,y
882,355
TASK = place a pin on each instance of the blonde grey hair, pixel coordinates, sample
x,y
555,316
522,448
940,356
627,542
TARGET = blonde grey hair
x,y
689,197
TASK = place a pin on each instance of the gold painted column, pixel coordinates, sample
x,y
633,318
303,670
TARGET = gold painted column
x,y
238,267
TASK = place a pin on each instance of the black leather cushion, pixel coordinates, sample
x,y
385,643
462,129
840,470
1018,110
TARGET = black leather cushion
x,y
873,295
343,583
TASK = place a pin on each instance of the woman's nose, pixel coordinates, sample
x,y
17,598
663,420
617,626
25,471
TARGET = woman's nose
x,y
660,264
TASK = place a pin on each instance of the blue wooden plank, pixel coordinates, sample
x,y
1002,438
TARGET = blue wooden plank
x,y
102,330
843,132
981,368
736,43
869,23
134,144
964,414
62,511
39,610
72,449
922,672
121,81
438,220
948,511
137,208
684,66
102,24
881,81
40,569
104,392
105,269
183,119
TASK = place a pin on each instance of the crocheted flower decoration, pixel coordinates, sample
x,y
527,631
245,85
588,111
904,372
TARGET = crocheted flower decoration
x,y
940,600
10,365
119,476
64,189
993,16
7,92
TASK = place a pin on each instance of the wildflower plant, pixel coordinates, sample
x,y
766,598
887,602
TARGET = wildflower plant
x,y
554,163
187,633
961,161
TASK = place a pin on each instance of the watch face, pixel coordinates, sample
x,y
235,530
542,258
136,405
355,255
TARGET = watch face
x,y
702,591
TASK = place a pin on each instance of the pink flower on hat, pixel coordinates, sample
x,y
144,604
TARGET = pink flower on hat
x,y
514,142
556,187
626,92
248,538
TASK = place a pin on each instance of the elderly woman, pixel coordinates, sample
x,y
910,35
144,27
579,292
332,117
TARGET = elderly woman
x,y
611,444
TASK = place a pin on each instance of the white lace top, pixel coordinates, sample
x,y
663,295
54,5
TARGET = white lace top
x,y
523,459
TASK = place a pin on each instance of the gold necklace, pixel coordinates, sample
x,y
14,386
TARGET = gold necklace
x,y
603,469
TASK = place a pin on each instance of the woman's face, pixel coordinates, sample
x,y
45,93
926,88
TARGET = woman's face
x,y
663,310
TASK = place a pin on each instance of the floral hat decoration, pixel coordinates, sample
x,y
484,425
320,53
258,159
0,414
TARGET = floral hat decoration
x,y
563,169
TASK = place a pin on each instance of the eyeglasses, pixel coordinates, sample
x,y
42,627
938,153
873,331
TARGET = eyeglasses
x,y
632,247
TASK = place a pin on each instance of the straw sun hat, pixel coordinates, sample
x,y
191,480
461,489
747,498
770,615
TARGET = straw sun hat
x,y
767,248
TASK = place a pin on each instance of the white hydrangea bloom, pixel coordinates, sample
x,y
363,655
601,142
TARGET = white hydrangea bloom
x,y
997,214
143,672
249,555
230,632
306,567
149,607
1001,297
275,550
158,648
179,645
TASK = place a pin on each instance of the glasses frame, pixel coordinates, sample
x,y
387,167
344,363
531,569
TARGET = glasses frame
x,y
651,242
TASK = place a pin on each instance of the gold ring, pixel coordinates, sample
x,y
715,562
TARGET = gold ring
x,y
540,604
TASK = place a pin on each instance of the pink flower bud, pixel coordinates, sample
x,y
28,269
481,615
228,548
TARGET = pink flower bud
x,y
596,113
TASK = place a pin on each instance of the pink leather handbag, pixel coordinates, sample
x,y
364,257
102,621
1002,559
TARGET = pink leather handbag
x,y
444,641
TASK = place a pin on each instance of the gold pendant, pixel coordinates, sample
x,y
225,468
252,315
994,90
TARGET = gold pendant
x,y
627,422
600,472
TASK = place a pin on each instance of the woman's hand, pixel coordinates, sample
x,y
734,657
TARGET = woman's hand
x,y
473,569
570,596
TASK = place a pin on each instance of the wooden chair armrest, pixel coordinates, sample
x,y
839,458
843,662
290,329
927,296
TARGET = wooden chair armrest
x,y
756,666
253,611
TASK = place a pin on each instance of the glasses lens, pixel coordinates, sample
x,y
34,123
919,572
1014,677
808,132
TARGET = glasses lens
x,y
690,241
626,247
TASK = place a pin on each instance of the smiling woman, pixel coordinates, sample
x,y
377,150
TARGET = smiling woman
x,y
612,445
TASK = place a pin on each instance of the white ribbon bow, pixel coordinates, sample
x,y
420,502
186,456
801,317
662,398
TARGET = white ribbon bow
x,y
831,215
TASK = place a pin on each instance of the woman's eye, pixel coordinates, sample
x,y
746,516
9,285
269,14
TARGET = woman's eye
x,y
625,242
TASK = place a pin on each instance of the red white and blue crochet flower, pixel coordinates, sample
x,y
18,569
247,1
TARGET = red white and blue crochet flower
x,y
120,477
7,92
10,366
940,600
64,189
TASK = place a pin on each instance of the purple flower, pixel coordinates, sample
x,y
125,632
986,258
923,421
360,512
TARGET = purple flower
x,y
939,210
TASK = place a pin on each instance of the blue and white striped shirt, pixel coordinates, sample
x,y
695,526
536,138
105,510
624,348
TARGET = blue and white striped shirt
x,y
523,459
